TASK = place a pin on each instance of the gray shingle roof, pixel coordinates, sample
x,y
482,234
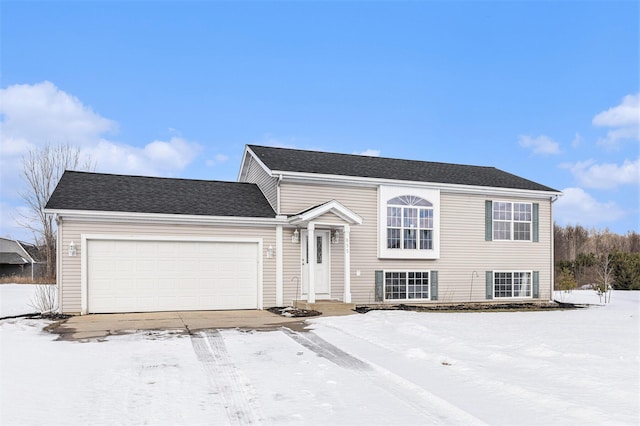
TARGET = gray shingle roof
x,y
120,193
294,160
12,259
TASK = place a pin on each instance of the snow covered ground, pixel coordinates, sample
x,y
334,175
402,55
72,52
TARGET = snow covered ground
x,y
15,299
386,367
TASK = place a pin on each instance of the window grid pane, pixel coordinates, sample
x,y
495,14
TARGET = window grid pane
x,y
394,217
503,284
522,231
501,230
393,238
395,285
426,219
426,240
521,284
418,285
501,210
409,238
410,218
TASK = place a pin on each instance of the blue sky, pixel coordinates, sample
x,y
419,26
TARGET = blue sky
x,y
546,90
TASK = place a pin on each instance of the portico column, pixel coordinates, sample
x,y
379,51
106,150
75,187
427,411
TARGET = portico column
x,y
311,262
279,267
347,265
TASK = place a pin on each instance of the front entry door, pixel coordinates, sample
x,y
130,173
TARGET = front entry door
x,y
320,265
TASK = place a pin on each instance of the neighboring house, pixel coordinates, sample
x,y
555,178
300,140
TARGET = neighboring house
x,y
20,259
303,225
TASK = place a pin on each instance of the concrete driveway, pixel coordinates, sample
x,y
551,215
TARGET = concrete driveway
x,y
96,326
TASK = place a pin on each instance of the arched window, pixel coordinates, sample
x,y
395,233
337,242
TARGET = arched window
x,y
409,223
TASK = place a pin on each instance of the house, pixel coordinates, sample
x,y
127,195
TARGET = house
x,y
303,225
20,259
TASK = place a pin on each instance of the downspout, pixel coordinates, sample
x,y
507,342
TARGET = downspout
x,y
59,262
279,252
553,266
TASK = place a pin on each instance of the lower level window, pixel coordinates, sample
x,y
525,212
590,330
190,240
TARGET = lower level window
x,y
406,285
511,284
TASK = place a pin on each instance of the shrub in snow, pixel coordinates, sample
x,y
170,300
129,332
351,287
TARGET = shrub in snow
x,y
44,299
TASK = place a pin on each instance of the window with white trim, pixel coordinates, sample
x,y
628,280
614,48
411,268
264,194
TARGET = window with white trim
x,y
406,285
408,222
512,284
512,221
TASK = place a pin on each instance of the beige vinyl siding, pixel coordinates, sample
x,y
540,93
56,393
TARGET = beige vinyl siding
x,y
463,248
267,184
70,274
363,201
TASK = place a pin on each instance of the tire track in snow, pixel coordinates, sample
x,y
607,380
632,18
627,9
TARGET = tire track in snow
x,y
321,347
466,373
229,384
432,409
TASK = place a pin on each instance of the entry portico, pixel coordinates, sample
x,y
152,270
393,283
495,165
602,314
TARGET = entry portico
x,y
320,224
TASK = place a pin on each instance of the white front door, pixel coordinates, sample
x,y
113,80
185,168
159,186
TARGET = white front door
x,y
321,265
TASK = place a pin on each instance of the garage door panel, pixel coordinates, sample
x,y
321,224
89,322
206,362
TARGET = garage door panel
x,y
145,276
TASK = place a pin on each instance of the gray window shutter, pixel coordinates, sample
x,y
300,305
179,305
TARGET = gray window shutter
x,y
488,220
534,224
433,277
489,275
536,284
379,286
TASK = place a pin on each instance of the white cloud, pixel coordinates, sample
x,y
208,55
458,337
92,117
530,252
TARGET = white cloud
x,y
605,175
540,145
578,207
369,153
625,114
156,158
623,119
41,113
217,159
33,115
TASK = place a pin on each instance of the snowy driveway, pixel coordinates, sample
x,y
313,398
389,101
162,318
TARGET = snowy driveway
x,y
562,367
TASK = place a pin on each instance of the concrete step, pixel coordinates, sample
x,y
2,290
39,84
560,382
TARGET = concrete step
x,y
327,307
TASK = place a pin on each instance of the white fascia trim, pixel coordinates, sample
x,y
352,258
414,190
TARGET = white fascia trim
x,y
28,259
448,187
248,151
186,238
91,215
333,206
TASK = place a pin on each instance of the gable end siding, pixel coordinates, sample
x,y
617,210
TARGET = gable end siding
x,y
267,184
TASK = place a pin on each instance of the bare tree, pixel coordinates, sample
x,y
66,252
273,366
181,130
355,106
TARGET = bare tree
x,y
604,246
42,169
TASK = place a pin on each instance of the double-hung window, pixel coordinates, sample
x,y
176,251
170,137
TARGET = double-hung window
x,y
405,285
409,223
512,221
512,284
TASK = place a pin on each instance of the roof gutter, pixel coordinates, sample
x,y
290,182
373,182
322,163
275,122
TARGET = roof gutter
x,y
367,181
92,215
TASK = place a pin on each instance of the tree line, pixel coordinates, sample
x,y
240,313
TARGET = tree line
x,y
597,258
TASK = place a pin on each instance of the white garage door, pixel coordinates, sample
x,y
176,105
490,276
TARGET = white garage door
x,y
147,276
